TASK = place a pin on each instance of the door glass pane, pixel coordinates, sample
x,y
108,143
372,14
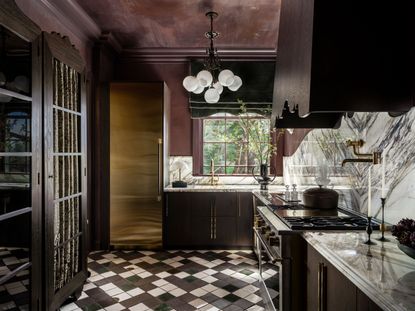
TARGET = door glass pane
x,y
15,64
14,248
15,159
67,171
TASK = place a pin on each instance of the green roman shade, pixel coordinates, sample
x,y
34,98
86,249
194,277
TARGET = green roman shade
x,y
256,90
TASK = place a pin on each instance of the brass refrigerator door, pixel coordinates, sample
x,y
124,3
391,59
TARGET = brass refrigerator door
x,y
136,127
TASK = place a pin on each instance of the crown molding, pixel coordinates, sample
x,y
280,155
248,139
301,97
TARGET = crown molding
x,y
179,55
70,14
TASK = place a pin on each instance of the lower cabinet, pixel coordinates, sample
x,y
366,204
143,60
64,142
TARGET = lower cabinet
x,y
208,220
329,290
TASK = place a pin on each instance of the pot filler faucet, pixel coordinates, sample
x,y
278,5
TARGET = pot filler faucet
x,y
374,158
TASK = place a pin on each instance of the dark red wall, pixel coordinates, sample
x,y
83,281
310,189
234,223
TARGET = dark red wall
x,y
172,74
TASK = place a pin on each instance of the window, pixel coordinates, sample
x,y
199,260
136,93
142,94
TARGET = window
x,y
225,142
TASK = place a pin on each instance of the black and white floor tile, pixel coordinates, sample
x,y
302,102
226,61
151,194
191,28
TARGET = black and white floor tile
x,y
15,292
171,280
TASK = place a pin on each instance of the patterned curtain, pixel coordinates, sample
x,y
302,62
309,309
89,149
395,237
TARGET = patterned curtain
x,y
67,163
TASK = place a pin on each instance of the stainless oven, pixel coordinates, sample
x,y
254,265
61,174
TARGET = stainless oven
x,y
280,256
270,271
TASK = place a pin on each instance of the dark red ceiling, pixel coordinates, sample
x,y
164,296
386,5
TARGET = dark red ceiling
x,y
182,23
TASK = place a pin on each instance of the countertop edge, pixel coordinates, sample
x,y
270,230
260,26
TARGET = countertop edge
x,y
350,274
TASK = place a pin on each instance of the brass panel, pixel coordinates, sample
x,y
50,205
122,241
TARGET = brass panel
x,y
136,125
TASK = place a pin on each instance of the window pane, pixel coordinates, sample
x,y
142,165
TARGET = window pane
x,y
213,130
259,130
234,131
215,152
15,192
15,127
233,150
236,154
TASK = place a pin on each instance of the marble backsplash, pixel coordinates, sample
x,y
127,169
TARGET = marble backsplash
x,y
392,135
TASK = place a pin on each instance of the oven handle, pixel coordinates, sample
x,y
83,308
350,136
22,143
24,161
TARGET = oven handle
x,y
266,248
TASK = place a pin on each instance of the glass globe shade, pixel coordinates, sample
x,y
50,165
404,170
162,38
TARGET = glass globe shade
x,y
22,84
212,95
205,78
237,83
190,83
226,77
218,87
199,89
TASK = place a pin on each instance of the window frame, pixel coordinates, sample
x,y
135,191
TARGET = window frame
x,y
276,165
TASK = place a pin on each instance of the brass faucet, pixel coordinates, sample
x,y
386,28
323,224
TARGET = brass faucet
x,y
374,158
213,180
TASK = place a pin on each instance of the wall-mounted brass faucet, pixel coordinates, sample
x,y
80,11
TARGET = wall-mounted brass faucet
x,y
374,158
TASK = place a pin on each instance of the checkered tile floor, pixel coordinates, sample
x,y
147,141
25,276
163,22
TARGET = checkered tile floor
x,y
171,280
14,294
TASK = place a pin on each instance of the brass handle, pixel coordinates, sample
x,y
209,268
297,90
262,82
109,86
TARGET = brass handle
x,y
214,220
159,168
321,295
211,220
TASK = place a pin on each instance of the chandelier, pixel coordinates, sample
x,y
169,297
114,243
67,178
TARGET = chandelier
x,y
209,77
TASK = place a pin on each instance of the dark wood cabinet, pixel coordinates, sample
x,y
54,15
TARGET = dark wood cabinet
x,y
177,224
326,63
328,289
208,219
364,303
245,219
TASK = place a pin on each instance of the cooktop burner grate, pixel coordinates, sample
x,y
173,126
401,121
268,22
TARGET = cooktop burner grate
x,y
328,223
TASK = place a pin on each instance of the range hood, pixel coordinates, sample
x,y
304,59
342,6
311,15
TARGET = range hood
x,y
291,119
327,65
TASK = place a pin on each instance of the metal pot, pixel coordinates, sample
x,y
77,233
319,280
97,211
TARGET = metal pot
x,y
320,198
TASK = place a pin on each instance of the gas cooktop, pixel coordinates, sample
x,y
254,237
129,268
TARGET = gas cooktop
x,y
297,217
327,223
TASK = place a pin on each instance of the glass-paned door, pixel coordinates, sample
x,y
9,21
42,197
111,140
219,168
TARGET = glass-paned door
x,y
65,170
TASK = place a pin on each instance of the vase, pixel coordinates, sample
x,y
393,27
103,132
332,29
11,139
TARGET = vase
x,y
407,250
263,179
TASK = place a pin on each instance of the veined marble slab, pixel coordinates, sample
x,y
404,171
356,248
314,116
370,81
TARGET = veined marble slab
x,y
382,271
392,135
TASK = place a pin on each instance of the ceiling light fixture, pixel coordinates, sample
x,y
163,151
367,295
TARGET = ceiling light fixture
x,y
209,77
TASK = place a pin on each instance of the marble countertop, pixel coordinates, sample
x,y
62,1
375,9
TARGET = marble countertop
x,y
382,271
221,188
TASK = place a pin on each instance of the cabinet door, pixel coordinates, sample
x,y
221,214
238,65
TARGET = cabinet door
x,y
314,259
364,303
245,219
341,293
201,204
177,220
225,204
201,231
224,231
327,288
